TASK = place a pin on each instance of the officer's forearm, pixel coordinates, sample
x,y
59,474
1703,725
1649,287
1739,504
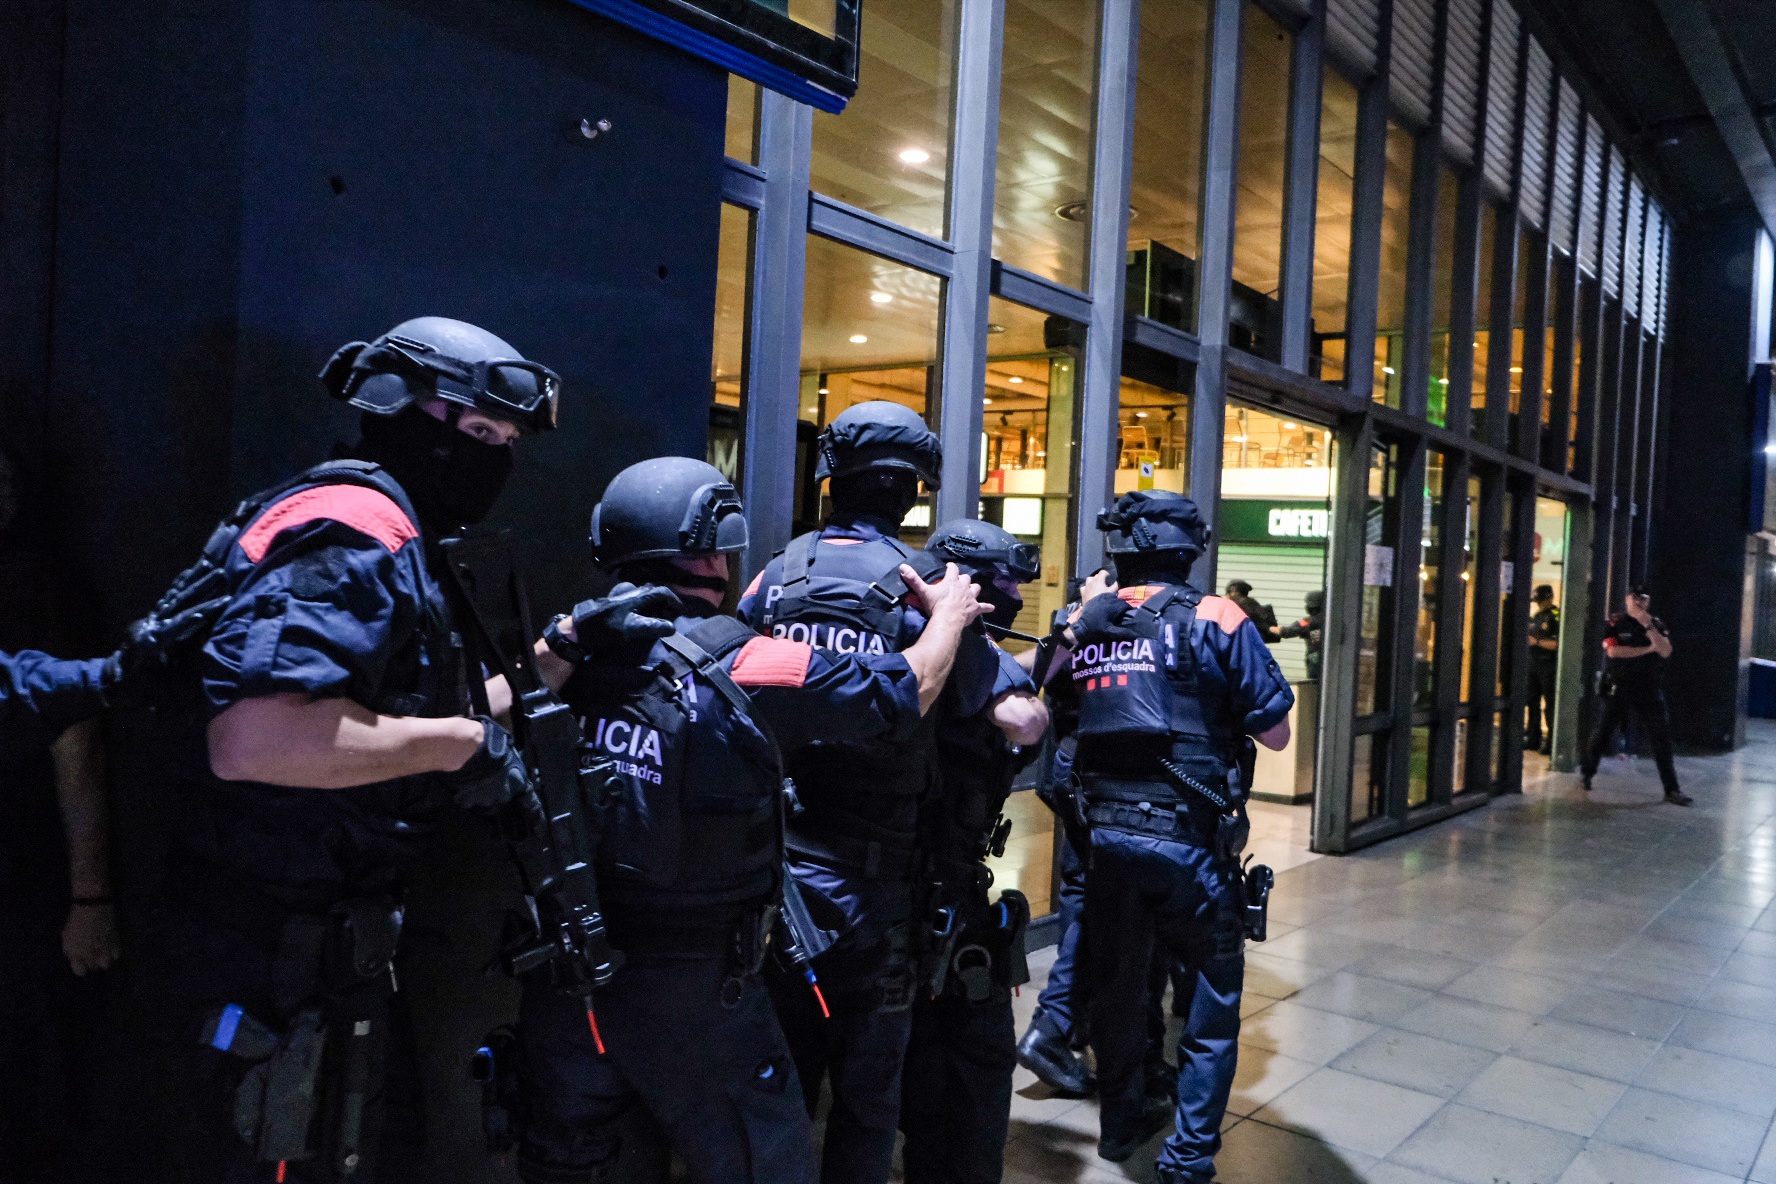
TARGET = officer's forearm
x,y
1275,738
1020,716
290,739
1661,644
1631,651
933,656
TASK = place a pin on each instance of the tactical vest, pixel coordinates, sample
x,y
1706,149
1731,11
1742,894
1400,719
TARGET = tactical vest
x,y
978,766
1142,701
861,800
250,851
690,784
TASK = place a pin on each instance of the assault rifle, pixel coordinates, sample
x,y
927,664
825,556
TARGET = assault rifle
x,y
550,832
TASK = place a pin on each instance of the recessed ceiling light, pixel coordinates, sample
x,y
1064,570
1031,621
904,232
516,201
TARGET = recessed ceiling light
x,y
1079,211
880,298
1015,380
824,391
1290,426
988,402
1238,439
1140,415
1387,369
992,328
914,156
858,339
1516,369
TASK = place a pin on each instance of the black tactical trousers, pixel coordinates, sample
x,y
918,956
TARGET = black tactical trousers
x,y
1649,710
1541,700
955,1107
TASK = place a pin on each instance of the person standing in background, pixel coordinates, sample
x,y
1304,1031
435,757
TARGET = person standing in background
x,y
1544,654
1638,648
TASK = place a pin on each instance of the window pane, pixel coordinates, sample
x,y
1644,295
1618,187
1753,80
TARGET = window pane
x,y
1369,776
742,119
1333,207
1379,567
1418,771
1489,223
1257,324
1396,233
1507,602
727,412
1521,334
888,153
1470,581
1442,293
1154,449
857,346
1170,89
1046,103
1430,565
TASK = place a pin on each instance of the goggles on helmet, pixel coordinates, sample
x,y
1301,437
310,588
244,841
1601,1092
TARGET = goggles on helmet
x,y
526,392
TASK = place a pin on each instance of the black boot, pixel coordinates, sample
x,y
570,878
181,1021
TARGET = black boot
x,y
1161,1080
1044,1052
1155,1117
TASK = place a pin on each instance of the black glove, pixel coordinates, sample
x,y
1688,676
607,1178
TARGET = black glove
x,y
494,776
1106,616
133,676
627,621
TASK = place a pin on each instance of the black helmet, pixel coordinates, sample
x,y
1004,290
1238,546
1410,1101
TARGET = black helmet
x,y
1150,521
982,547
671,505
1238,588
1314,601
879,435
438,358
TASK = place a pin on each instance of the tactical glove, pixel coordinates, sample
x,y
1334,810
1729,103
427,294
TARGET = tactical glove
x,y
134,675
628,621
494,776
1106,617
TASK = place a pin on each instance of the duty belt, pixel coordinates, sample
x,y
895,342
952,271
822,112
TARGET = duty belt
x,y
1163,821
874,859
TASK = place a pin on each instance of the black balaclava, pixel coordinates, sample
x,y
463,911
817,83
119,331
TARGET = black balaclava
x,y
1003,606
453,478
1160,567
885,494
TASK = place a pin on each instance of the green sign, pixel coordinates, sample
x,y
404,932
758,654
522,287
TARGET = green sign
x,y
1257,520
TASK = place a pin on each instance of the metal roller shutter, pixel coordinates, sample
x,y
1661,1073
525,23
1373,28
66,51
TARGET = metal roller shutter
x,y
1633,247
1538,107
1615,199
1461,79
1501,98
1281,576
1353,33
1665,285
1411,56
1591,196
1562,215
1652,277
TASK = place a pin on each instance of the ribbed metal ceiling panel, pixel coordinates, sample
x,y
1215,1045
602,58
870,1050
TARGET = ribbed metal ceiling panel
x,y
1501,98
1538,108
1615,197
1591,196
1353,31
1664,280
1652,276
1561,215
1411,58
1461,79
1633,246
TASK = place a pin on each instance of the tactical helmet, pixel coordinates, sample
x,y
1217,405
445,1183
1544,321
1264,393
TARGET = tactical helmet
x,y
1238,588
671,505
1151,521
879,435
1314,601
438,358
980,546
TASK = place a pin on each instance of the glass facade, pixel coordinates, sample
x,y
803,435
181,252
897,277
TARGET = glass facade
x,y
1068,369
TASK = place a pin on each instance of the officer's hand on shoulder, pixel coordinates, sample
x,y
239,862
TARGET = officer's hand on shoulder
x,y
133,676
495,776
629,618
1096,585
950,595
1105,616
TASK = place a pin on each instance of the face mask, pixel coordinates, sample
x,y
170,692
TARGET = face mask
x,y
453,478
1005,605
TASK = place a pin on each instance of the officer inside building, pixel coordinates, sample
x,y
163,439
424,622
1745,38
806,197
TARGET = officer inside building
x,y
312,742
1171,683
1637,646
691,855
1544,655
1312,630
1263,616
956,1097
854,845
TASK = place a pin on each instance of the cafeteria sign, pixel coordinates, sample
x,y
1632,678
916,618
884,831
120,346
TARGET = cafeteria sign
x,y
1254,520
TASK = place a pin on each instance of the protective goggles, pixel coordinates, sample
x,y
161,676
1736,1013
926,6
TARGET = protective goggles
x,y
1022,562
528,393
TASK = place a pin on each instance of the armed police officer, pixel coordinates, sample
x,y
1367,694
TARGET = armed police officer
x,y
854,843
956,1095
1171,682
685,735
321,726
1312,630
1637,647
1544,654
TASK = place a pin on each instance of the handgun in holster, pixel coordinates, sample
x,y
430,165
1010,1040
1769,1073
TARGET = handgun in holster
x,y
940,947
1255,882
494,1067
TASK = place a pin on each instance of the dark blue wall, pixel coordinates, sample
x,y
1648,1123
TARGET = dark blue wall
x,y
201,199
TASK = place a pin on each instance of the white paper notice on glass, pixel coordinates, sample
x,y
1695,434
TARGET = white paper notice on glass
x,y
1507,577
1378,566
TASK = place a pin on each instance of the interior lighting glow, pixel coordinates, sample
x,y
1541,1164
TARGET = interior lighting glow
x,y
914,156
880,298
1014,380
1290,426
988,402
1516,369
1140,415
1387,369
858,339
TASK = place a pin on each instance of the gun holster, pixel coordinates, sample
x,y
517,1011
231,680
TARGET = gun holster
x,y
1255,882
494,1067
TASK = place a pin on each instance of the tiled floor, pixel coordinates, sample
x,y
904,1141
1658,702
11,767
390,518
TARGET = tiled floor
x,y
1557,989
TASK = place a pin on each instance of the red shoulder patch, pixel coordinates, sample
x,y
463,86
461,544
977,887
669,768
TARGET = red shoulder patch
x,y
1223,612
752,588
1139,594
772,662
369,511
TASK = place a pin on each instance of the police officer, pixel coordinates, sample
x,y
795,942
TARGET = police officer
x,y
854,845
1637,646
1544,653
1170,682
691,857
956,1094
1312,630
1263,616
321,722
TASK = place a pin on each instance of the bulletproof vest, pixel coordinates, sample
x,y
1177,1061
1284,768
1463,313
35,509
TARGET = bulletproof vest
x,y
850,598
249,850
977,765
1142,698
690,781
